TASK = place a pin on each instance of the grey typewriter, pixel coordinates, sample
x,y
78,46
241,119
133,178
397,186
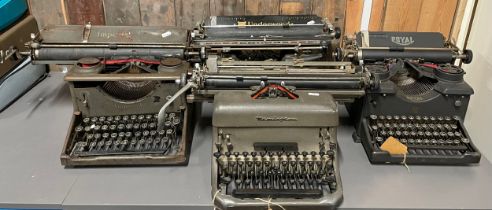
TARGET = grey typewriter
x,y
268,77
120,79
276,145
416,95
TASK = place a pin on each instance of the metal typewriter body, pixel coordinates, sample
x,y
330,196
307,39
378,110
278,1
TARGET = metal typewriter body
x,y
120,79
417,96
275,147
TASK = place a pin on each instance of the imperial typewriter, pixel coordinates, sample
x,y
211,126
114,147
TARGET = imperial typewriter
x,y
121,78
417,95
275,83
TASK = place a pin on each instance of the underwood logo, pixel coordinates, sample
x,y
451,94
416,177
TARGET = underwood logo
x,y
275,118
402,40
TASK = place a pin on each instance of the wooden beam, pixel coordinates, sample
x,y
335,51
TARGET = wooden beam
x,y
377,15
402,15
295,7
227,7
353,13
122,12
82,11
157,13
262,7
47,12
189,13
437,16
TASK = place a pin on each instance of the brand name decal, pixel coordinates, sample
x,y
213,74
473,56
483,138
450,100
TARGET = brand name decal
x,y
275,118
402,40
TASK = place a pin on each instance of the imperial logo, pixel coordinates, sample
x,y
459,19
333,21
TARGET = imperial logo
x,y
402,40
275,118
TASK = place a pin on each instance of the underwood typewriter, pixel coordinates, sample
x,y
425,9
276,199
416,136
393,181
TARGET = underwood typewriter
x,y
240,52
275,144
121,78
416,95
270,76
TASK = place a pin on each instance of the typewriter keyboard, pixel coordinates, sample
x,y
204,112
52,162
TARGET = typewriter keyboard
x,y
276,174
126,134
425,136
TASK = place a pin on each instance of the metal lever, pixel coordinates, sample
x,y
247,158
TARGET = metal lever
x,y
162,112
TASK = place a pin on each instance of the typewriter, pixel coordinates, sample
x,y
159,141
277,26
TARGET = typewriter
x,y
120,79
416,95
275,82
275,144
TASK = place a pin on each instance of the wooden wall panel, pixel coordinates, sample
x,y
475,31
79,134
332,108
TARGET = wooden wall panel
x,y
377,15
227,7
437,15
455,28
262,7
295,7
354,15
402,15
80,12
122,12
191,12
157,13
48,12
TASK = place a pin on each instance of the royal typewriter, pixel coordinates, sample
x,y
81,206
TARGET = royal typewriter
x,y
275,82
416,95
121,78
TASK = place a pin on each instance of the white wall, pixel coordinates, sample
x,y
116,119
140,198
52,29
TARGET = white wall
x,y
479,75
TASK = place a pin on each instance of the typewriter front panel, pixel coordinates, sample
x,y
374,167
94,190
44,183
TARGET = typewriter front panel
x,y
278,148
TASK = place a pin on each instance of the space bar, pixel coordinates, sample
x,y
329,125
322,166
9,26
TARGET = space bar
x,y
276,193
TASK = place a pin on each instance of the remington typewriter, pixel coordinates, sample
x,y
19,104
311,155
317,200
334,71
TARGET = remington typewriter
x,y
274,83
121,78
416,95
275,144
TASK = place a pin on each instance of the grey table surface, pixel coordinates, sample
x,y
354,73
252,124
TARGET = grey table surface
x,y
32,132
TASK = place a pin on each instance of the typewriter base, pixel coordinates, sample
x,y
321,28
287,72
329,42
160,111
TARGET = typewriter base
x,y
181,158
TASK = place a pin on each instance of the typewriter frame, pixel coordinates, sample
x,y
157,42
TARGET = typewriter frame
x,y
181,158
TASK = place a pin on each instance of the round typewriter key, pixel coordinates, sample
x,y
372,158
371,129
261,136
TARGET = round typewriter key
x,y
435,133
97,127
440,141
86,120
172,114
176,121
373,117
374,127
153,132
396,117
94,119
117,118
440,118
102,119
389,117
456,141
398,133
114,135
449,141
426,141
137,134
87,128
156,116
109,118
90,136
125,118
381,117
141,117
403,141
458,134
152,125
403,117
161,132
411,141
148,117
145,133
120,127
105,135
447,118
406,133
433,141
465,140
425,118
432,118
143,125
136,126
133,117
454,127
121,134
167,123
79,128
419,141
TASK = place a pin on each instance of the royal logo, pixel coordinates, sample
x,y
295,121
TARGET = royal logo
x,y
402,40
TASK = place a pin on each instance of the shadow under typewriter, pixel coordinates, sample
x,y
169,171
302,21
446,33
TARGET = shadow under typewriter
x,y
116,105
275,149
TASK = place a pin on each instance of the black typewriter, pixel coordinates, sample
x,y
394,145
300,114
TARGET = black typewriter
x,y
416,95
